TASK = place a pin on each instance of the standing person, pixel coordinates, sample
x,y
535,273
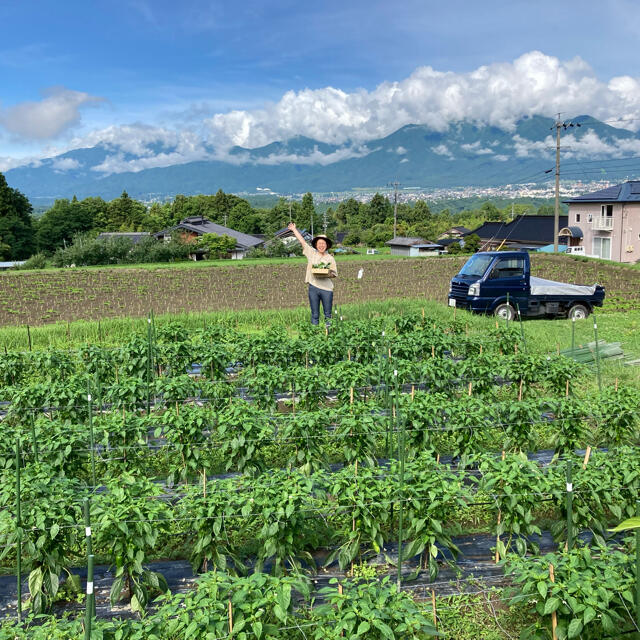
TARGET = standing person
x,y
320,289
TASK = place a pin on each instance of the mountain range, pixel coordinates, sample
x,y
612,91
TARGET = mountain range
x,y
466,154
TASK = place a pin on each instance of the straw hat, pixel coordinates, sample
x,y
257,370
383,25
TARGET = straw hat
x,y
314,242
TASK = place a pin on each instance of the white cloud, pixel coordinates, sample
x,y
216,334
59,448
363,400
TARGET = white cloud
x,y
442,150
58,110
498,94
501,157
476,148
588,145
65,164
404,160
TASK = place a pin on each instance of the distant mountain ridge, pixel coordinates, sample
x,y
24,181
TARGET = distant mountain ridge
x,y
466,154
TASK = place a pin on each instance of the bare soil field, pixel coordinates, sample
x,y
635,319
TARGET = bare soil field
x,y
42,297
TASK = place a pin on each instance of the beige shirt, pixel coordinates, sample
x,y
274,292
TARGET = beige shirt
x,y
314,257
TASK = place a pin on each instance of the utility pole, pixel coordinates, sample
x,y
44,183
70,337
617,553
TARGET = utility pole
x,y
556,214
395,206
556,217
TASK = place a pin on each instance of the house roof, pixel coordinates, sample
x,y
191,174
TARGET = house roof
x,y
524,229
287,233
134,236
574,232
405,242
200,225
445,242
626,192
460,229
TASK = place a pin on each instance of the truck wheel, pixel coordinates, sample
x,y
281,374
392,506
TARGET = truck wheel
x,y
578,312
505,311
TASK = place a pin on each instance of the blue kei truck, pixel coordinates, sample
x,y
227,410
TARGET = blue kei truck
x,y
500,283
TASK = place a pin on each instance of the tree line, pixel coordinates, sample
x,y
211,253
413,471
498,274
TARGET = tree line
x,y
370,223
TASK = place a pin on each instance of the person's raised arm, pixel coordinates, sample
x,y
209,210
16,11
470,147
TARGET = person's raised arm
x,y
292,227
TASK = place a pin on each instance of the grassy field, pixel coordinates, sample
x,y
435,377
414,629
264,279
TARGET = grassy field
x,y
42,297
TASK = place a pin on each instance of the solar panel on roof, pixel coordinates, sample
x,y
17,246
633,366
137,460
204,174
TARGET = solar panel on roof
x,y
635,188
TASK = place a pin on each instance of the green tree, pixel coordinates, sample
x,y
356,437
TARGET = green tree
x,y
492,213
308,214
546,210
17,234
61,222
348,213
123,214
217,246
243,218
471,243
379,209
421,212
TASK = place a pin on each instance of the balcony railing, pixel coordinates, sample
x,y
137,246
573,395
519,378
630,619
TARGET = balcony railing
x,y
603,223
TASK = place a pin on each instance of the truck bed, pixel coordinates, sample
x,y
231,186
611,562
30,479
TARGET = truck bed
x,y
542,287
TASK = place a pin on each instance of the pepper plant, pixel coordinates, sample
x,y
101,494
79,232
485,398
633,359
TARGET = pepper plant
x,y
212,510
257,607
592,595
283,504
243,432
129,518
362,501
51,528
370,610
516,486
431,494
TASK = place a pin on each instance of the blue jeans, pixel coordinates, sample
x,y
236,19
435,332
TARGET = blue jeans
x,y
315,297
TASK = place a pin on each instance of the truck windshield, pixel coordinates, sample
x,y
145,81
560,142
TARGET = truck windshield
x,y
476,265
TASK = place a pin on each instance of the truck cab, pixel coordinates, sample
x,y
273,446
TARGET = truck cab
x,y
500,282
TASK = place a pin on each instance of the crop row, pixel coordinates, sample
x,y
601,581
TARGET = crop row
x,y
280,518
172,348
179,441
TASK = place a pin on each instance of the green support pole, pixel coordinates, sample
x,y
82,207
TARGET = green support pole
x,y
91,600
524,342
88,534
401,453
638,568
19,531
148,365
29,337
595,333
569,507
34,438
573,336
507,310
91,438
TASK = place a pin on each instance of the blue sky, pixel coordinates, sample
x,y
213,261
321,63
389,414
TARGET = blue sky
x,y
71,69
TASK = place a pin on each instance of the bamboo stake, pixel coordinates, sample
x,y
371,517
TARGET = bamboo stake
x,y
433,608
480,349
520,390
554,617
433,351
587,455
498,536
566,390
230,608
470,385
350,395
413,392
